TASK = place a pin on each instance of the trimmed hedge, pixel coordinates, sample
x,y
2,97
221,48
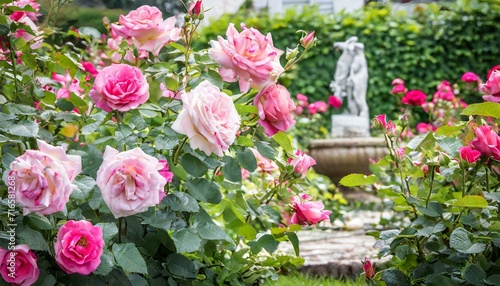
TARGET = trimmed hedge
x,y
435,44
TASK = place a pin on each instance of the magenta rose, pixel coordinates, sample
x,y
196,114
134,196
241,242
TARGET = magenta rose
x,y
397,81
380,122
119,87
165,171
301,162
249,56
468,154
130,181
146,29
492,87
487,142
275,109
208,118
18,266
43,178
335,102
399,88
307,212
79,247
470,77
414,97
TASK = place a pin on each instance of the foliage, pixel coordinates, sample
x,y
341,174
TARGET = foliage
x,y
222,218
301,279
436,42
445,185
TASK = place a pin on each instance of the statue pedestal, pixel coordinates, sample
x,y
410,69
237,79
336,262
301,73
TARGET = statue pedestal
x,y
350,126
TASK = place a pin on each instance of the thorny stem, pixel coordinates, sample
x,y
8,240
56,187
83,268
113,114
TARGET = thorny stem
x,y
430,187
473,177
14,68
178,150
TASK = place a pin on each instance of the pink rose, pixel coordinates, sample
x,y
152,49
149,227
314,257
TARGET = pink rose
x,y
195,8
414,97
90,68
397,81
264,165
209,118
399,88
36,39
487,142
130,181
44,178
470,77
275,109
23,3
492,87
250,55
380,122
146,29
79,247
19,266
494,68
443,84
301,162
318,106
119,87
307,212
303,100
423,127
334,102
165,171
170,93
468,154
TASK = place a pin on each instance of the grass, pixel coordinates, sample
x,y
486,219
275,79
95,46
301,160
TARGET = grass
x,y
298,279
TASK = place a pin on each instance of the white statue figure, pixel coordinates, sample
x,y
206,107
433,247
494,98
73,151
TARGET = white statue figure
x,y
350,82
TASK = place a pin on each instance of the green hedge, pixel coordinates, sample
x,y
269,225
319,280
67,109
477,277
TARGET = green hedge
x,y
436,43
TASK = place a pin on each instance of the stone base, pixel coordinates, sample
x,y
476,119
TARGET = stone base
x,y
350,126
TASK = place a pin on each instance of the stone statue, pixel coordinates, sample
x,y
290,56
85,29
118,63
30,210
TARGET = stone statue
x,y
350,82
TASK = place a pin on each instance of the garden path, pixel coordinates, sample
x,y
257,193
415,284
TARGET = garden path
x,y
337,249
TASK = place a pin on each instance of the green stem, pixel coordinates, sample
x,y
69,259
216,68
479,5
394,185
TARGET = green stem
x,y
120,230
464,181
430,187
178,150
14,68
487,180
474,177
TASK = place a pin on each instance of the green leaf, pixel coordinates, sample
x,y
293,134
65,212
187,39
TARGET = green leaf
x,y
179,201
449,130
138,122
25,128
186,240
211,231
244,141
434,209
266,241
421,140
181,266
137,280
164,142
129,258
178,47
460,241
231,169
471,201
247,231
64,104
66,63
474,275
450,145
33,239
438,280
490,109
355,180
21,109
265,150
193,165
203,190
39,221
107,263
394,277
109,230
84,185
282,139
160,220
214,78
292,237
247,159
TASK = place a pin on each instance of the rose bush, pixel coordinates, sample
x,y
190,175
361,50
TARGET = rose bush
x,y
126,161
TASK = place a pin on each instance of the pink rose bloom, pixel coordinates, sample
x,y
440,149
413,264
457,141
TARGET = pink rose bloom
x,y
264,165
468,154
303,100
334,102
146,29
444,94
35,40
19,266
165,172
209,118
307,212
470,77
487,142
23,3
492,87
119,87
423,127
79,247
494,68
312,108
251,57
319,106
90,68
130,181
387,127
299,110
399,88
444,84
398,81
275,109
170,93
301,162
44,178
414,97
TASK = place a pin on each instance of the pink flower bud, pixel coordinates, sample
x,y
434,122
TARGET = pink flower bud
x,y
398,81
468,154
308,40
195,8
368,268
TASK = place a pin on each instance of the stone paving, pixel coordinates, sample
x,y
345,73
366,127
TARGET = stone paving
x,y
338,250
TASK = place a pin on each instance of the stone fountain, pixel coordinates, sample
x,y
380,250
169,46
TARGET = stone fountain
x,y
350,147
